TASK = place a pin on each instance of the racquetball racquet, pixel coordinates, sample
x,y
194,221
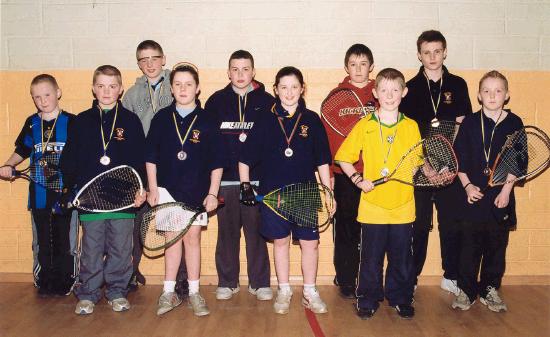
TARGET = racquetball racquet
x,y
110,191
306,204
525,154
430,162
445,128
164,224
44,171
342,109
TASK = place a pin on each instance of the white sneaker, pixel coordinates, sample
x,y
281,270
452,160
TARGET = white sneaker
x,y
224,293
198,304
450,286
312,300
493,301
84,307
167,301
282,302
119,304
262,294
462,301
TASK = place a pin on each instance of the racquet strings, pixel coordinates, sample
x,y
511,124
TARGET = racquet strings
x,y
445,128
115,189
342,110
306,204
45,171
431,162
525,154
166,223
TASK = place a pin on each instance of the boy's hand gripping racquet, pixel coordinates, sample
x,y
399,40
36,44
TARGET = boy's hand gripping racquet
x,y
44,171
306,204
430,162
342,109
164,224
525,154
112,190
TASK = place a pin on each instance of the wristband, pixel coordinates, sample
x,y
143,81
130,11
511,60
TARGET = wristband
x,y
468,184
215,196
354,175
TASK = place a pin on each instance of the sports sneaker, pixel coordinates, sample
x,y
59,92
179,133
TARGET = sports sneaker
x,y
84,307
198,304
119,304
365,314
493,301
462,301
262,294
346,291
312,300
450,286
405,311
282,301
167,301
224,293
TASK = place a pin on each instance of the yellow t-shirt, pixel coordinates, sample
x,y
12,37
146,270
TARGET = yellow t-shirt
x,y
392,202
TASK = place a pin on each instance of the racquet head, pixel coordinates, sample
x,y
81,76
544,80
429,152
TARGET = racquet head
x,y
306,204
342,109
525,154
430,162
164,224
445,128
44,171
110,191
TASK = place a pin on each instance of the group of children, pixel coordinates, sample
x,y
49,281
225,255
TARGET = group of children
x,y
246,141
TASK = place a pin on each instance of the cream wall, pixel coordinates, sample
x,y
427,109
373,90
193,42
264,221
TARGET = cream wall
x,y
67,39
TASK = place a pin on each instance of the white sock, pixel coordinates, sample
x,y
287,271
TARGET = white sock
x,y
193,286
169,286
284,286
310,288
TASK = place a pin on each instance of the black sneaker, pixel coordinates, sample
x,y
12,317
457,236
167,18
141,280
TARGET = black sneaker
x,y
405,311
347,291
365,313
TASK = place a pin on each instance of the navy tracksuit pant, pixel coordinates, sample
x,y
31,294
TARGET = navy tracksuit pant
x,y
377,240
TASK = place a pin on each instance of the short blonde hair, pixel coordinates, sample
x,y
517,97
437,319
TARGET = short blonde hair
x,y
494,74
107,70
390,74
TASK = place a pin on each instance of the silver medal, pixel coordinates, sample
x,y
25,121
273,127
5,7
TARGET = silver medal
x,y
289,152
182,155
242,137
435,123
105,160
390,139
385,171
487,171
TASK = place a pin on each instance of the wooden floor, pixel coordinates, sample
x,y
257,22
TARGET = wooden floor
x,y
22,313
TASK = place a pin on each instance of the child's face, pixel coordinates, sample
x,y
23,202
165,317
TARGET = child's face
x,y
389,94
432,55
241,73
493,94
150,62
45,97
184,88
289,90
358,68
107,89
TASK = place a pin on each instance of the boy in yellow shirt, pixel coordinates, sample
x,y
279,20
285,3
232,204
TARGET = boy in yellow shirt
x,y
386,213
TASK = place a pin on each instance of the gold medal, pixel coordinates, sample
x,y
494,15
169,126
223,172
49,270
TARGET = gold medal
x,y
435,123
105,160
182,155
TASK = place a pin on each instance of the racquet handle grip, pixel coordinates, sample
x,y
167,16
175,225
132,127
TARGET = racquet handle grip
x,y
379,181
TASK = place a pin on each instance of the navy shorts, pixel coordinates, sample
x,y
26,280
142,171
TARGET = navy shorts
x,y
275,227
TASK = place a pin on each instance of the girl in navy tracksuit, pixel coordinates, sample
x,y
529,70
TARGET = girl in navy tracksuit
x,y
289,144
183,161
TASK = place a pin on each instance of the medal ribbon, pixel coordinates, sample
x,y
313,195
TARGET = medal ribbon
x,y
382,137
289,139
243,111
152,94
435,106
105,145
184,139
44,146
488,153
